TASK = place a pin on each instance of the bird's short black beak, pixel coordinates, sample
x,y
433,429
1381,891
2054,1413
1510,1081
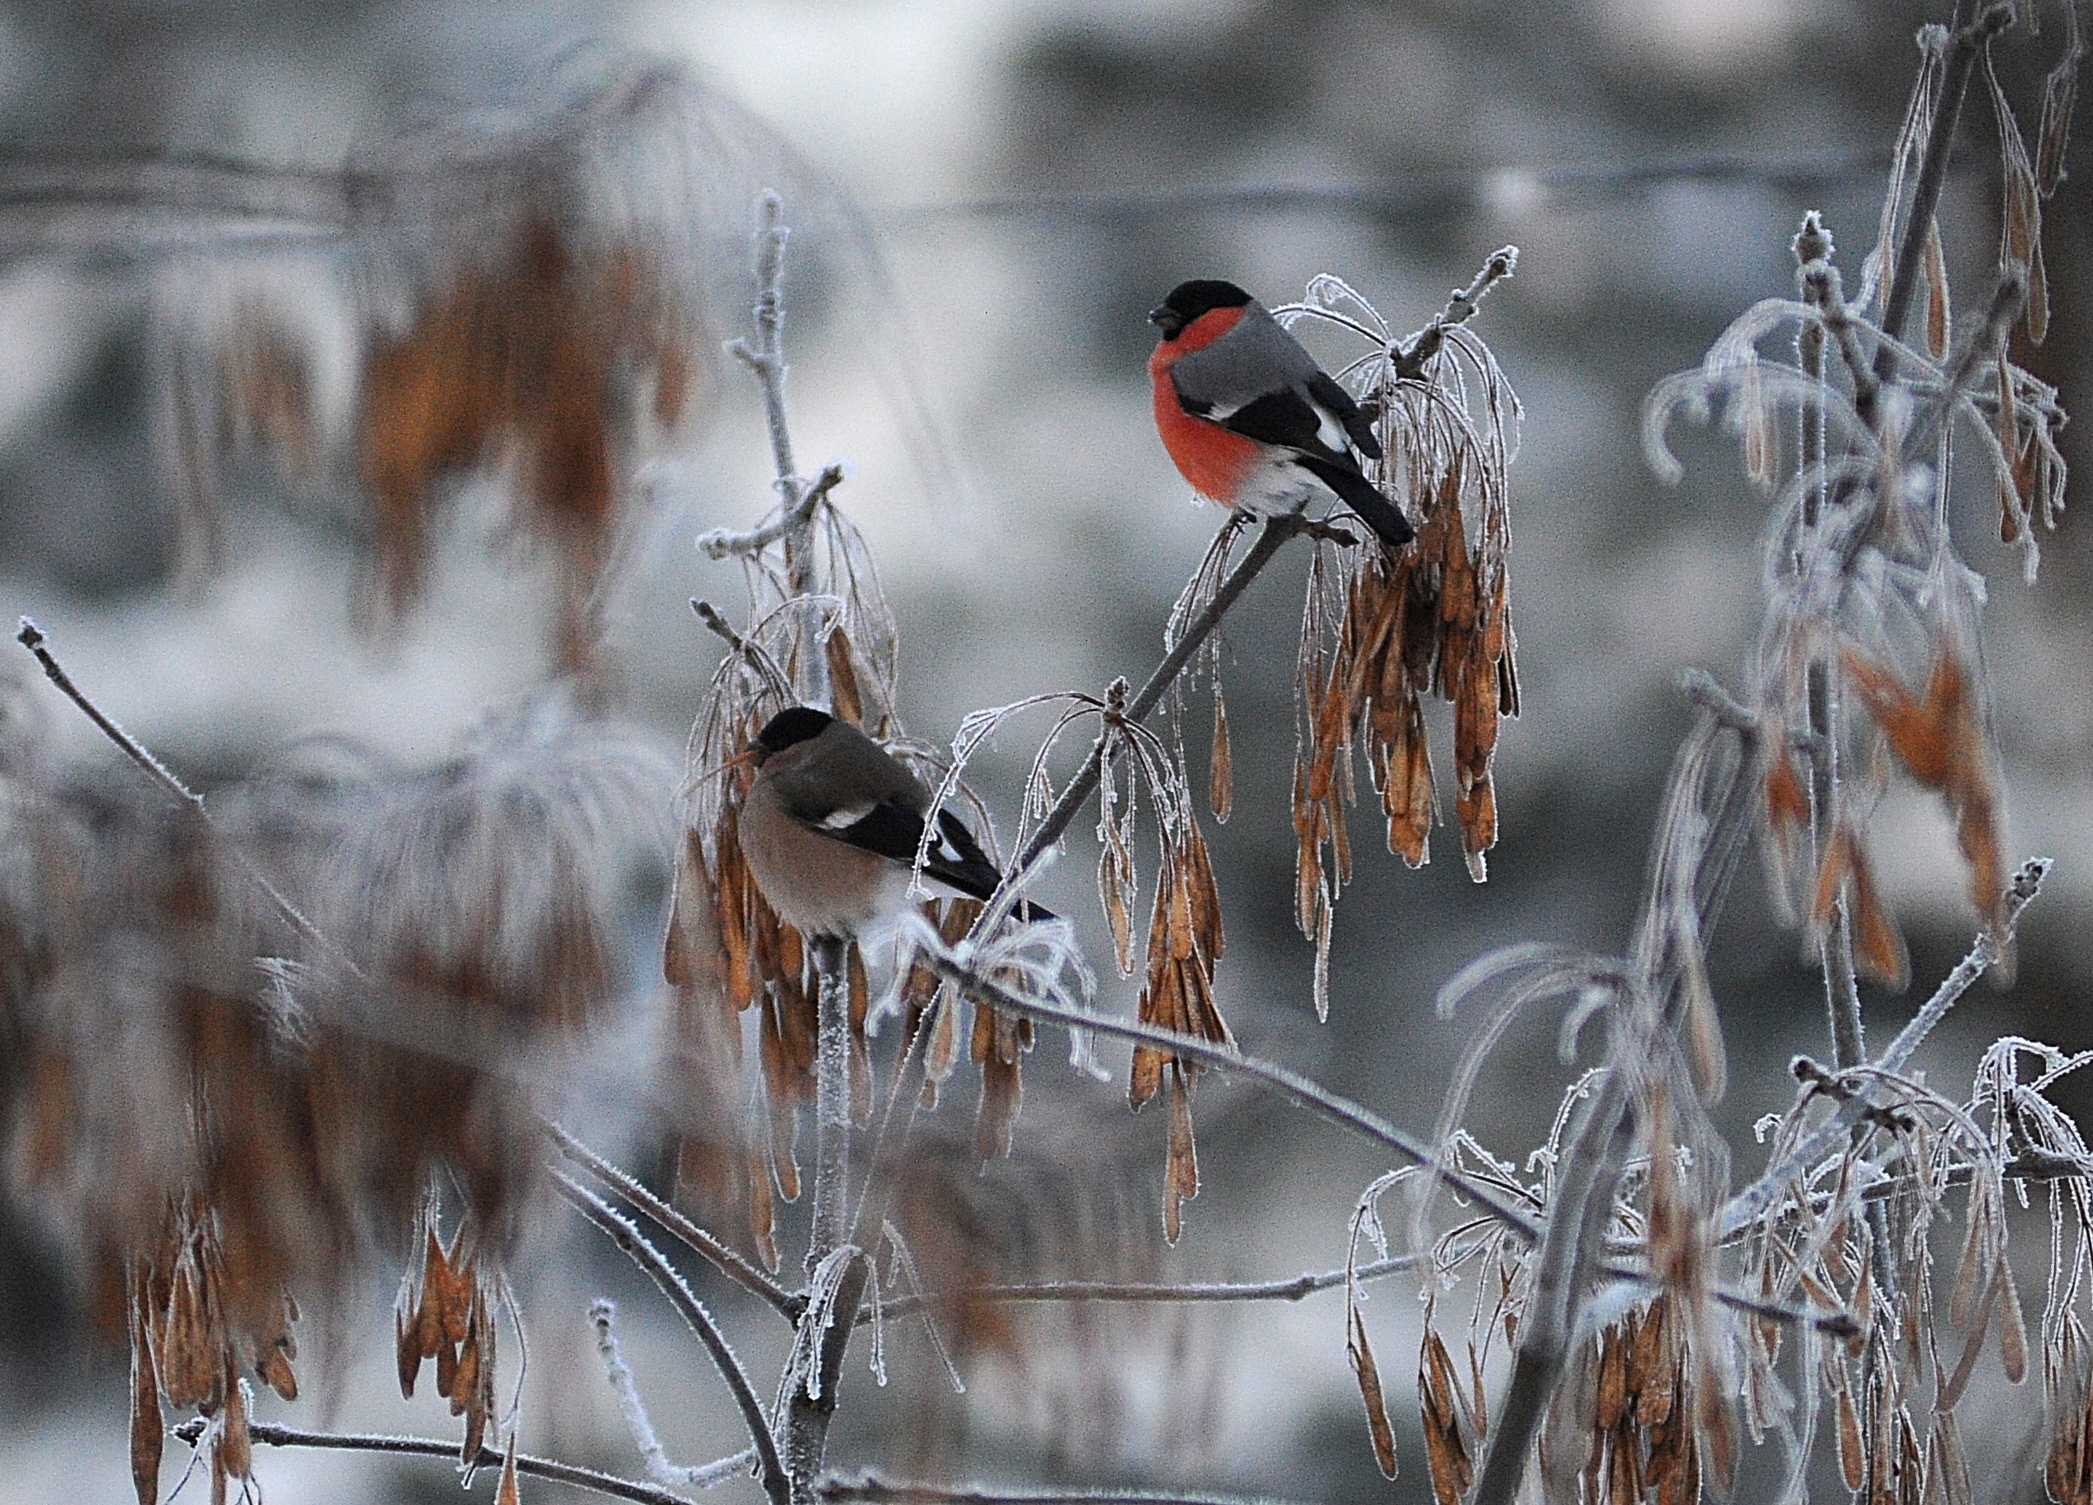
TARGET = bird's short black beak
x,y
1167,319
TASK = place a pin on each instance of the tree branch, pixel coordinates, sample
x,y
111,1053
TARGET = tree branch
x,y
749,1276
626,1235
1277,530
1289,1084
30,636
871,1487
589,1479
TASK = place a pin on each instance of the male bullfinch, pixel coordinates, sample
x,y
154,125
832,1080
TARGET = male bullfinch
x,y
1249,417
831,827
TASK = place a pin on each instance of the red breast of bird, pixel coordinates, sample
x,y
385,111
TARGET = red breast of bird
x,y
1216,461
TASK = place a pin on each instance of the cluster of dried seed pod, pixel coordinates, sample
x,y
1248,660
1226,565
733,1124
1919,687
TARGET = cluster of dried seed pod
x,y
526,354
1432,619
446,1311
1184,946
195,1334
216,1105
1658,1427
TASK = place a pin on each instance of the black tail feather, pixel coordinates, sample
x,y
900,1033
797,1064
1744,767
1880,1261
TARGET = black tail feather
x,y
1366,502
971,873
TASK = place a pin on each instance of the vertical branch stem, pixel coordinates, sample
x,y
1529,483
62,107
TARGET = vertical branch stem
x,y
831,1100
1835,950
1968,37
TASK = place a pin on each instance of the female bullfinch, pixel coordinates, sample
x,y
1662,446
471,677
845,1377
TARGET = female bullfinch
x,y
1249,417
832,824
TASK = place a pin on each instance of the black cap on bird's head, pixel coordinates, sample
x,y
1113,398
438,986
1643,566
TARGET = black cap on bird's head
x,y
789,728
1188,300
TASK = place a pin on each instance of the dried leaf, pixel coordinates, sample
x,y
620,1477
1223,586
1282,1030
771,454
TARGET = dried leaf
x,y
1613,1379
1378,1426
2053,135
275,1370
1220,768
146,1424
1852,1460
1760,435
1181,1170
1878,945
1937,314
2013,1336
1453,1471
844,701
505,1493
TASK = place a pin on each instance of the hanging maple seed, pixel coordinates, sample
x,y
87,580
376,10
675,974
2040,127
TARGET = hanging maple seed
x,y
1941,741
1378,1427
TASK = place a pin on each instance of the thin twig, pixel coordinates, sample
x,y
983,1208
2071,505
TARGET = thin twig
x,y
871,1487
718,543
30,636
589,1479
1747,1205
623,1232
1293,1289
1409,362
603,1312
767,356
1277,530
743,1272
1289,1084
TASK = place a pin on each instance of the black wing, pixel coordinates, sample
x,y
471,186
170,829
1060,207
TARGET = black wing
x,y
1325,390
1284,418
955,859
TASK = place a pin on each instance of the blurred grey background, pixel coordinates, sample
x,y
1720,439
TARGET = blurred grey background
x,y
1033,175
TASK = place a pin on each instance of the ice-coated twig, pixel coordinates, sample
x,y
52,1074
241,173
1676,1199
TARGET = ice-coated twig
x,y
742,1272
589,1479
603,1313
31,636
1295,1288
719,543
1277,531
766,357
1409,361
1747,1205
871,1487
1289,1084
623,1232
831,1099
